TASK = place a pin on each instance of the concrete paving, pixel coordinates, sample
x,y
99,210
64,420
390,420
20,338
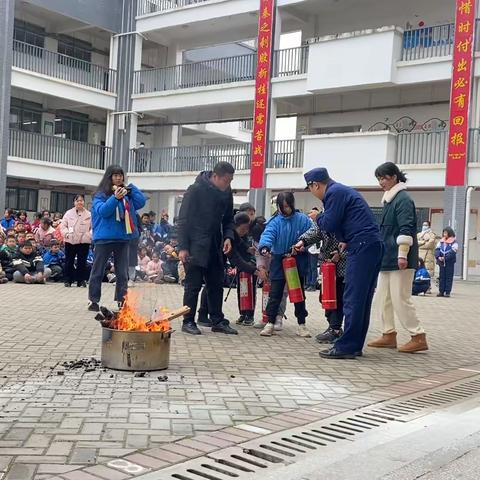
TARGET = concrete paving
x,y
51,423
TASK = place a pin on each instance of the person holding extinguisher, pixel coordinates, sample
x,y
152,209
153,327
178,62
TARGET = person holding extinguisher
x,y
330,251
282,232
349,217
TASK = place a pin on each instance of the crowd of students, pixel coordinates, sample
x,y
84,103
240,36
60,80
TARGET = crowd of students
x,y
58,247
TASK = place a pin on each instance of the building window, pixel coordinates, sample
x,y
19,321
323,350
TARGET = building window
x,y
22,199
26,116
61,202
28,33
72,125
80,52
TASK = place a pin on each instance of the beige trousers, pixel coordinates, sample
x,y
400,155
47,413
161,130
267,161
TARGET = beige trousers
x,y
394,296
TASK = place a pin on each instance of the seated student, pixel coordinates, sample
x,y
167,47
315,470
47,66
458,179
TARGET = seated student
x,y
5,266
10,245
30,236
143,259
21,238
54,259
45,234
37,218
154,269
170,261
422,281
28,266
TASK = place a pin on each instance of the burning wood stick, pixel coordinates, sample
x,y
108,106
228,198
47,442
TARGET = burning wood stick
x,y
158,317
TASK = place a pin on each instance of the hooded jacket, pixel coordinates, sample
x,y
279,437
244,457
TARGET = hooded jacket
x,y
399,228
205,220
280,234
106,225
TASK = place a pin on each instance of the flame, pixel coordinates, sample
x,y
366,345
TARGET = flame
x,y
130,320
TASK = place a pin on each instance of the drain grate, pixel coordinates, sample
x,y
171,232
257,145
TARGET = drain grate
x,y
248,460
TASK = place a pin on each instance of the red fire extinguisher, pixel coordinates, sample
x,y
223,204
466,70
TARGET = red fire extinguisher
x,y
329,286
246,291
265,298
295,292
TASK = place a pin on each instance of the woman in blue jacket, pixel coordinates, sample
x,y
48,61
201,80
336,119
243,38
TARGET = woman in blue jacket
x,y
114,225
446,255
282,232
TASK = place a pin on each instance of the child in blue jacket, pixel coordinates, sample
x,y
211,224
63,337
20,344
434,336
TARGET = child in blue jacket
x,y
446,255
422,280
281,233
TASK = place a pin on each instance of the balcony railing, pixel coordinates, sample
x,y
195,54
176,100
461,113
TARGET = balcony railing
x,y
63,67
428,42
283,154
58,150
145,7
422,148
287,62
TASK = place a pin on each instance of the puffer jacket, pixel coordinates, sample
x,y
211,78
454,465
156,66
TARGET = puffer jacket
x,y
447,249
76,227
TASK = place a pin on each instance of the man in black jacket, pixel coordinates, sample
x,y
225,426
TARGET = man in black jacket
x,y
205,233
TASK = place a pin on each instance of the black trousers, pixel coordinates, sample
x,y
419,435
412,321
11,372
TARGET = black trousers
x,y
335,317
213,278
275,298
120,261
80,251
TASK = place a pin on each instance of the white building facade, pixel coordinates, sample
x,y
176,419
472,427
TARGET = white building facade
x,y
363,82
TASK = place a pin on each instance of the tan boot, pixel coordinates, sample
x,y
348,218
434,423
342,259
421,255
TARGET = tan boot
x,y
387,340
418,343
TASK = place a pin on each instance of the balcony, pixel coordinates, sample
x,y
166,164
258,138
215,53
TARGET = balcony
x,y
286,63
422,148
62,67
144,7
284,154
50,149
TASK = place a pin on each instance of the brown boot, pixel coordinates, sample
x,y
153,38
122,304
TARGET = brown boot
x,y
418,343
387,340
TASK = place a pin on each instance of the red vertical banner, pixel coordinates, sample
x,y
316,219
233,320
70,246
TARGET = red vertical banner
x,y
460,93
261,113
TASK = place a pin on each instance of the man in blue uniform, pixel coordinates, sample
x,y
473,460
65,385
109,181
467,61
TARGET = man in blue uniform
x,y
348,216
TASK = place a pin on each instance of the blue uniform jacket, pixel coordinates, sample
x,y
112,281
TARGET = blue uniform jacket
x,y
50,258
348,216
280,234
104,210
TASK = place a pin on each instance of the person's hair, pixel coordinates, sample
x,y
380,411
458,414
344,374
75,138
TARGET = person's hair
x,y
389,169
21,233
21,212
46,221
427,222
315,208
450,231
78,197
43,212
38,215
288,198
155,254
9,211
257,228
223,168
421,262
245,207
145,215
241,218
152,213
28,243
105,185
11,236
54,243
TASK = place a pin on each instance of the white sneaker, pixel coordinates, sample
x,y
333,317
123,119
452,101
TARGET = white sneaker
x,y
278,323
303,332
131,283
268,330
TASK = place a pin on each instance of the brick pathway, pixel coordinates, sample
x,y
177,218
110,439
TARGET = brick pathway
x,y
51,424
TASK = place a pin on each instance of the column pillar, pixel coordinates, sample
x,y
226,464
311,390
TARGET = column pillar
x,y
454,201
7,9
122,123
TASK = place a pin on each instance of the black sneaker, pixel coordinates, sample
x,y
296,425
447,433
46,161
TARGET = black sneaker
x,y
329,336
93,307
241,320
81,284
249,321
337,355
204,322
191,328
67,284
224,327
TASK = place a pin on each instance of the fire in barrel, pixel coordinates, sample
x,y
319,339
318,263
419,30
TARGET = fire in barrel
x,y
131,341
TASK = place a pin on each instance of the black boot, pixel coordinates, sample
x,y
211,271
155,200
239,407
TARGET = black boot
x,y
191,328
